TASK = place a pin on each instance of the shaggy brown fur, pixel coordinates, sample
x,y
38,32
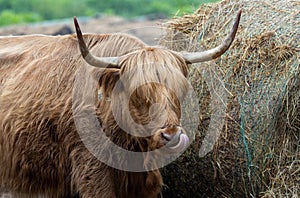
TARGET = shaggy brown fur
x,y
41,151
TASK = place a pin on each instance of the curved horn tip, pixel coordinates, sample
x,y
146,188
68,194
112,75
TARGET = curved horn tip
x,y
101,62
234,29
195,57
83,48
239,13
238,17
76,23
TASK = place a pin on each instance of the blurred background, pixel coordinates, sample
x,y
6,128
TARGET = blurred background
x,y
143,19
29,11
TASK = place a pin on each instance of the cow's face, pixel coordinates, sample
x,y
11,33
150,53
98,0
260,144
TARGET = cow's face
x,y
152,86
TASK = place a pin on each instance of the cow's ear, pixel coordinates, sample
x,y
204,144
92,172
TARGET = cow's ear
x,y
107,78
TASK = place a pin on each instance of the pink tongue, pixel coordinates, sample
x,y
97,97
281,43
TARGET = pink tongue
x,y
182,144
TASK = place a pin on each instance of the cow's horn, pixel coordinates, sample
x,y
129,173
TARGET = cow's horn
x,y
102,62
196,57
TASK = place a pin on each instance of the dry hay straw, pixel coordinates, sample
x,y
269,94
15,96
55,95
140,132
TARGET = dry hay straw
x,y
258,151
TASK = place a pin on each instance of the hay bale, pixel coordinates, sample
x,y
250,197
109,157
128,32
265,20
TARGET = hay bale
x,y
258,151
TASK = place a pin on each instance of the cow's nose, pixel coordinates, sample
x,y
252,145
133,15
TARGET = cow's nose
x,y
170,132
170,136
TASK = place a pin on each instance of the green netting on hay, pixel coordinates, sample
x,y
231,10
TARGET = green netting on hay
x,y
258,151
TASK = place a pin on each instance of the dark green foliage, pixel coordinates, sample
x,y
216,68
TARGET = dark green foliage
x,y
8,17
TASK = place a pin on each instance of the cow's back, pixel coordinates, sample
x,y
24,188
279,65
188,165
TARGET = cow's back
x,y
39,57
37,132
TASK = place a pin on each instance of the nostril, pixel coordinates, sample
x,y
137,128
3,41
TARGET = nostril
x,y
170,137
166,136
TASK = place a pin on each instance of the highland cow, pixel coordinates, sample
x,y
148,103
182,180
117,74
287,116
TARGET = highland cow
x,y
42,152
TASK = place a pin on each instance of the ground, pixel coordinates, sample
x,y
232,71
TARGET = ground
x,y
147,29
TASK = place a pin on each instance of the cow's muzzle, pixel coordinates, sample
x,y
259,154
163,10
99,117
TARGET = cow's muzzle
x,y
174,139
